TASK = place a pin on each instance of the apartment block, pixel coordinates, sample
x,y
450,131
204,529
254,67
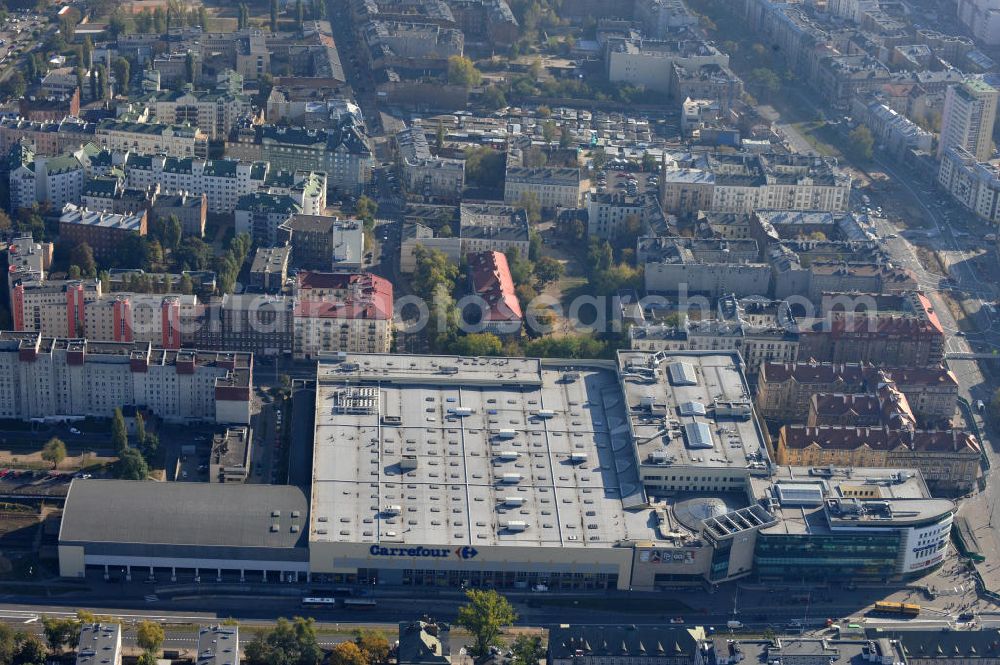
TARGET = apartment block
x,y
323,243
260,214
222,181
151,138
743,182
970,110
214,112
104,232
551,187
55,378
344,152
425,174
342,312
784,390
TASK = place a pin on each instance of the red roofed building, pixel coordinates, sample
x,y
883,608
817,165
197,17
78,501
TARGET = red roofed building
x,y
948,459
342,312
490,279
904,331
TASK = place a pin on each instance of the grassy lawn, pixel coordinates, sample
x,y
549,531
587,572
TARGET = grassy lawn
x,y
818,134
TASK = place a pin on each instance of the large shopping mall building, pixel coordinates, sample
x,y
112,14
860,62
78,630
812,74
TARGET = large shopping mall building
x,y
644,473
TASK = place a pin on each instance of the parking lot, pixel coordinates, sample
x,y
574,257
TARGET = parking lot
x,y
34,482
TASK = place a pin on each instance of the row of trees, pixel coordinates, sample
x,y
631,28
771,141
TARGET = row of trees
x,y
160,20
63,633
485,616
161,249
132,464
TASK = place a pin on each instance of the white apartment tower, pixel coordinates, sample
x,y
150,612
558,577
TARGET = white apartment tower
x,y
969,111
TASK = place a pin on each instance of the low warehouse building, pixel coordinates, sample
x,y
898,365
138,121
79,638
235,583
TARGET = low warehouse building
x,y
158,528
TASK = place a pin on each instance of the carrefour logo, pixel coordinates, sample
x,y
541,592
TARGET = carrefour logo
x,y
465,552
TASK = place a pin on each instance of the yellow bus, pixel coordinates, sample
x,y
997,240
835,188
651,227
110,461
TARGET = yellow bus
x,y
902,609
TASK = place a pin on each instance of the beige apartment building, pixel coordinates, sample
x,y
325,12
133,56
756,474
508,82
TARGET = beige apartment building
x,y
552,187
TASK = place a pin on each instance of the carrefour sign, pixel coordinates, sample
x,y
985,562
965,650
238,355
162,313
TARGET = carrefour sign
x,y
465,552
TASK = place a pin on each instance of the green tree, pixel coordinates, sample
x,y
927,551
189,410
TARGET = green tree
x,y
485,616
172,232
149,636
119,434
529,201
150,446
433,269
67,27
366,209
14,86
373,645
118,24
203,17
81,81
765,81
54,452
548,269
8,643
274,15
186,285
565,136
484,167
862,143
193,254
548,131
521,269
103,83
131,465
146,658
140,429
299,14
87,52
94,91
649,162
123,74
287,643
59,633
528,650
189,67
29,650
493,98
462,71
347,653
82,255
478,344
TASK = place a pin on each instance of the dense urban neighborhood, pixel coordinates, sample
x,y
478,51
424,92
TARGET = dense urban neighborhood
x,y
453,332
